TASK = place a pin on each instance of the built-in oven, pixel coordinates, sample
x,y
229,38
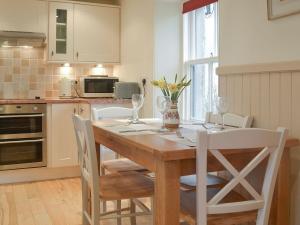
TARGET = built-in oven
x,y
22,136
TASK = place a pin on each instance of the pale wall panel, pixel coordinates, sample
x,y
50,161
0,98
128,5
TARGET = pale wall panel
x,y
255,99
285,112
274,100
246,98
265,100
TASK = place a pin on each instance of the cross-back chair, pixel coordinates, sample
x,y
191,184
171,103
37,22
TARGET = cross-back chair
x,y
224,205
230,119
110,187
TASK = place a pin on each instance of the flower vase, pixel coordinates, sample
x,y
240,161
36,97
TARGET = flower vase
x,y
171,117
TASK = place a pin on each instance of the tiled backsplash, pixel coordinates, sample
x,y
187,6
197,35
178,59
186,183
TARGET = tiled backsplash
x,y
24,73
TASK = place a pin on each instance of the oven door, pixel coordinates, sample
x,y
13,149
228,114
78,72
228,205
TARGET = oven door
x,y
22,126
22,153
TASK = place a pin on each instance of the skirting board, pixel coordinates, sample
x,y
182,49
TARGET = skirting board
x,y
259,68
38,174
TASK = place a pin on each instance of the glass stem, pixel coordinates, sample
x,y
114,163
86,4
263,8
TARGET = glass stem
x,y
135,115
223,125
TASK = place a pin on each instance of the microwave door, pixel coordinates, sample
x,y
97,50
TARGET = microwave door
x,y
98,88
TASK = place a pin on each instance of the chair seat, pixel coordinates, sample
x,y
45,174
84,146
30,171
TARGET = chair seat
x,y
190,182
188,209
125,185
121,165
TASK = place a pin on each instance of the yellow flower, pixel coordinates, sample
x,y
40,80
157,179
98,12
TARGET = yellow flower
x,y
154,83
162,84
173,88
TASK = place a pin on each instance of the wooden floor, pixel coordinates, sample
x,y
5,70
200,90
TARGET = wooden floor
x,y
56,202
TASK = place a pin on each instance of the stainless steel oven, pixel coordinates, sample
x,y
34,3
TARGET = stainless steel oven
x,y
22,136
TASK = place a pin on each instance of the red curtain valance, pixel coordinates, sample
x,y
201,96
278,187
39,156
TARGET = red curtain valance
x,y
196,4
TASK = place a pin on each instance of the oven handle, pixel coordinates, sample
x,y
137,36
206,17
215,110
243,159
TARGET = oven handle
x,y
21,141
22,116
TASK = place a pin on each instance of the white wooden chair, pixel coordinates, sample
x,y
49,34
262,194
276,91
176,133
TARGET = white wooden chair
x,y
230,119
110,187
116,165
224,206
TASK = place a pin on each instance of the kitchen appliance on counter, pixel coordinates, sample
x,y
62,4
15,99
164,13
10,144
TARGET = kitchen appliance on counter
x,y
65,88
125,90
22,136
97,86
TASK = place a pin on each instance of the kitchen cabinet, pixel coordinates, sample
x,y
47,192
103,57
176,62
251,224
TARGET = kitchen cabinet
x,y
62,147
82,32
63,142
96,33
24,15
60,31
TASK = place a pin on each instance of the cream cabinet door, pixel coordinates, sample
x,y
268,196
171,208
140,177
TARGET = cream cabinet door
x,y
63,141
24,15
96,33
60,32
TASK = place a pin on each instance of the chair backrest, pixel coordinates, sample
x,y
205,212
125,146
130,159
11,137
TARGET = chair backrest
x,y
89,169
112,113
230,119
272,145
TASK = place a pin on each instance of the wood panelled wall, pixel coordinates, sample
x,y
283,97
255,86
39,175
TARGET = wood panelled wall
x,y
273,98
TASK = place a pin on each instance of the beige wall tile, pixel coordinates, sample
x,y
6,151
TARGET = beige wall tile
x,y
7,78
25,62
16,54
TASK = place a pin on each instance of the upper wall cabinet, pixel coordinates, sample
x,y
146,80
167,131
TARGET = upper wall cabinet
x,y
95,30
96,33
60,31
23,15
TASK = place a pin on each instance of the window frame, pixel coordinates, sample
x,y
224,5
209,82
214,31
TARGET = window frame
x,y
187,106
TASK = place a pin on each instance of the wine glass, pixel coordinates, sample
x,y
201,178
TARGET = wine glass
x,y
163,105
137,103
222,105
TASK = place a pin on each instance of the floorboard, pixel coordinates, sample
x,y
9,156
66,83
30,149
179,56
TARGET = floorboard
x,y
56,202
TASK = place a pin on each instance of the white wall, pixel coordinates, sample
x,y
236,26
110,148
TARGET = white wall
x,y
247,37
168,42
150,40
137,45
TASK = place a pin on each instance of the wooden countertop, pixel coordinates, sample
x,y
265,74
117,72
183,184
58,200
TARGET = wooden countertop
x,y
61,101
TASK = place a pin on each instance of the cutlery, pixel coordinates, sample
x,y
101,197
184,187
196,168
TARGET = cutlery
x,y
129,131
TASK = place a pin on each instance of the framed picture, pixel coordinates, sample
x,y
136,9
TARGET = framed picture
x,y
282,8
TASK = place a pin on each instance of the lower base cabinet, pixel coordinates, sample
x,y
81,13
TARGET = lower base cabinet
x,y
62,147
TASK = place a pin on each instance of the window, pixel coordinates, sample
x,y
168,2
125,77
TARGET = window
x,y
200,29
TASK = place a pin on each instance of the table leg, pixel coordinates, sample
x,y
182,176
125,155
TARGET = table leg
x,y
283,190
167,199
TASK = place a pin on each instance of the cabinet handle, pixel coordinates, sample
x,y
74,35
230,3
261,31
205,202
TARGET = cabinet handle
x,y
77,54
52,53
81,110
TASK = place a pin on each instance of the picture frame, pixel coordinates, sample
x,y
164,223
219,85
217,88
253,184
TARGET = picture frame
x,y
282,8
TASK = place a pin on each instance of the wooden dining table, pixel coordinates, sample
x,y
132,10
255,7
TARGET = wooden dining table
x,y
170,160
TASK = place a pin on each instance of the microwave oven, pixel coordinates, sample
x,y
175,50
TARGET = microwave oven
x,y
97,87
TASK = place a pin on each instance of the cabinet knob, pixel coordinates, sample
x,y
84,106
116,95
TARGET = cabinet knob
x,y
81,110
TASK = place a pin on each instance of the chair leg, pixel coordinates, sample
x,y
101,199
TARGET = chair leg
x,y
104,203
119,220
132,211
